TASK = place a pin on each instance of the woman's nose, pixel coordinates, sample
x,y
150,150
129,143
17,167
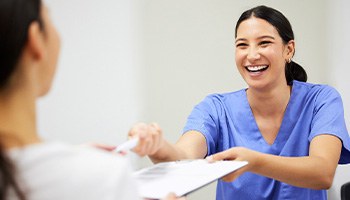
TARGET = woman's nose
x,y
253,54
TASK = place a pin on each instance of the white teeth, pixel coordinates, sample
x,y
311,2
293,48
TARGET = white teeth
x,y
256,68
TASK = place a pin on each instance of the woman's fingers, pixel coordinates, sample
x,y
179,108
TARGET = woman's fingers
x,y
157,138
224,155
236,153
150,138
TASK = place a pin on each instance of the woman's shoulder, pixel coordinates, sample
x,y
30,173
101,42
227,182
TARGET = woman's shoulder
x,y
52,151
80,160
219,101
48,165
230,96
315,90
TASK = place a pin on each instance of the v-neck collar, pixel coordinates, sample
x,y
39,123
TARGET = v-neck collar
x,y
283,132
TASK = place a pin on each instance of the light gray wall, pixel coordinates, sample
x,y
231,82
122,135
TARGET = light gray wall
x,y
95,95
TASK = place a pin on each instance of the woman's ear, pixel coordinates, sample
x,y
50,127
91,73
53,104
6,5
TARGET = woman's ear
x,y
35,44
290,49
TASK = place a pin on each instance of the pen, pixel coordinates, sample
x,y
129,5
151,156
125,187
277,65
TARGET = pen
x,y
127,145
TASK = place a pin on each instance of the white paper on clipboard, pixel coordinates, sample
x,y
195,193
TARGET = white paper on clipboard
x,y
181,177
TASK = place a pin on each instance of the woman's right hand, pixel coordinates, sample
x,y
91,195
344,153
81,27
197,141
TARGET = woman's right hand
x,y
150,138
239,154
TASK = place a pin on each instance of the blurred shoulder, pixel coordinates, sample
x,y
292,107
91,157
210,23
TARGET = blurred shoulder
x,y
46,168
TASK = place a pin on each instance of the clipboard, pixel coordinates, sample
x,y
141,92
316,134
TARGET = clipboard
x,y
181,177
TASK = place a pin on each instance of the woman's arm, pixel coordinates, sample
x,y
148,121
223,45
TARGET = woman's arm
x,y
191,145
315,171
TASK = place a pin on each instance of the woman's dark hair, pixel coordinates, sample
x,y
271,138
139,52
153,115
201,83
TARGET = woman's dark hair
x,y
293,70
15,19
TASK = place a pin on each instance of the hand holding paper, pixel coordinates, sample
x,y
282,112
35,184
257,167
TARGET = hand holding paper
x,y
236,153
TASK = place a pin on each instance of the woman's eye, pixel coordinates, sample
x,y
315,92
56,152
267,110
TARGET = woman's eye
x,y
264,43
241,45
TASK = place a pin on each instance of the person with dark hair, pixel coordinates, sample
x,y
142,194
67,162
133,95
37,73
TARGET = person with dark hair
x,y
292,133
30,168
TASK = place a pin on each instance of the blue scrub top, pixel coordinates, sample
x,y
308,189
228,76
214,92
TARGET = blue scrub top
x,y
226,120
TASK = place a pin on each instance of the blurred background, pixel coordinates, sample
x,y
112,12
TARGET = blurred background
x,y
125,61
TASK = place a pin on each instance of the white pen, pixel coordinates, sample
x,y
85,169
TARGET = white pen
x,y
127,145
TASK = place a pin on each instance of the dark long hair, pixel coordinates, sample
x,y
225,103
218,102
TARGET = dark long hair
x,y
293,70
15,19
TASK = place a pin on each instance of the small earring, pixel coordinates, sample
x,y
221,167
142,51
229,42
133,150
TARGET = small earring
x,y
289,60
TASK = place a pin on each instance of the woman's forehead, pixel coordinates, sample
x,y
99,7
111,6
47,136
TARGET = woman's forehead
x,y
255,26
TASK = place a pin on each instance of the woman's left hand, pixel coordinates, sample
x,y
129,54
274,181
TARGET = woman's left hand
x,y
239,154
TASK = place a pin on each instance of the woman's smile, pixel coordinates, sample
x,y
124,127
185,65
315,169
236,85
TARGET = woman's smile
x,y
256,68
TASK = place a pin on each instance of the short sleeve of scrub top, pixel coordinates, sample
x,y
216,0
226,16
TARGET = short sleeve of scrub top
x,y
329,119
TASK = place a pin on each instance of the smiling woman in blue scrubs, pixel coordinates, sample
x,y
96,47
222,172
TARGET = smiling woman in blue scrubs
x,y
292,133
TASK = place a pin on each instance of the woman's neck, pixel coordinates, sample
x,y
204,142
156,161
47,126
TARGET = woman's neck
x,y
269,103
17,119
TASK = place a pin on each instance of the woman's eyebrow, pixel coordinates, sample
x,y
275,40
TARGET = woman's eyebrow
x,y
259,38
266,37
240,40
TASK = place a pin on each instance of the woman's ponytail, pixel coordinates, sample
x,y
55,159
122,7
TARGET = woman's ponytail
x,y
295,72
